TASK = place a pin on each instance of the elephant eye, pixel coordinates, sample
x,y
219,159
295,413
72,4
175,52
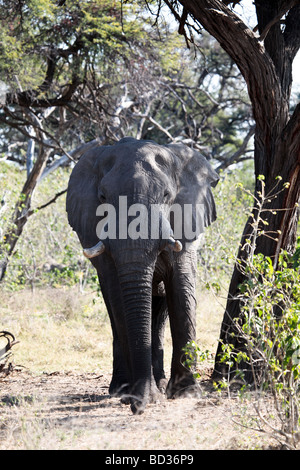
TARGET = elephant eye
x,y
102,198
166,195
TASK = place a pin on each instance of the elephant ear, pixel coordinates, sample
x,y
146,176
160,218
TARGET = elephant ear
x,y
196,178
82,196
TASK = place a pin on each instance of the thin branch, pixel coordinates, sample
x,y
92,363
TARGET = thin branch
x,y
33,121
181,20
51,201
74,154
239,152
155,123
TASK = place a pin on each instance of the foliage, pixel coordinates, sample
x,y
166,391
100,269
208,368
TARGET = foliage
x,y
268,328
49,252
106,71
194,355
218,253
73,64
204,103
70,34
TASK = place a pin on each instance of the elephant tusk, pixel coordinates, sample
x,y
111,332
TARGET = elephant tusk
x,y
94,250
175,245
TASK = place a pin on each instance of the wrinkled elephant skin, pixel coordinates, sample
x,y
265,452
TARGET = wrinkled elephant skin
x,y
138,208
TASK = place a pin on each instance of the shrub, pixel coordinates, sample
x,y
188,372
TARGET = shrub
x,y
269,329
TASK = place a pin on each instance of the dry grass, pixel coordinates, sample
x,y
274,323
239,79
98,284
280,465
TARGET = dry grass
x,y
65,330
58,330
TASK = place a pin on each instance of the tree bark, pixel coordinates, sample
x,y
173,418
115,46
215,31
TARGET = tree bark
x,y
267,69
22,210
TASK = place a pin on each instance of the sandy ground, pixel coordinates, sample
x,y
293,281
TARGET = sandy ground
x,y
74,411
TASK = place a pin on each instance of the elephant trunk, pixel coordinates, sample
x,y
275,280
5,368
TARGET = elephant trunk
x,y
136,288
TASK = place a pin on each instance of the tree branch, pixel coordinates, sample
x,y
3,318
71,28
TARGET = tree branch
x,y
74,154
22,124
51,201
241,151
30,98
292,31
248,53
280,14
155,123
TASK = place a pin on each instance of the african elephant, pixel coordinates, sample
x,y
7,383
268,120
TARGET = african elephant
x,y
145,273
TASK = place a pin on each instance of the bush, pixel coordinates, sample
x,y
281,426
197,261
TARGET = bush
x,y
221,240
269,329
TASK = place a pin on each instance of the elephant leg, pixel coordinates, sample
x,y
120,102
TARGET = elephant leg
x,y
119,384
159,316
181,297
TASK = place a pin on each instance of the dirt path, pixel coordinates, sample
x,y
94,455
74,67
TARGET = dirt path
x,y
75,411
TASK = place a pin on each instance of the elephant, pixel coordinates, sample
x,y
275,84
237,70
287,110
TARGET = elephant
x,y
145,275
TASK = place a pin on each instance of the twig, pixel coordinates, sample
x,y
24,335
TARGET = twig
x,y
51,201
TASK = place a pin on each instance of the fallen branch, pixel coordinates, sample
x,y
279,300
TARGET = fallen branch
x,y
5,352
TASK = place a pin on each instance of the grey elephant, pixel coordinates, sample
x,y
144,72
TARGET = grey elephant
x,y
146,268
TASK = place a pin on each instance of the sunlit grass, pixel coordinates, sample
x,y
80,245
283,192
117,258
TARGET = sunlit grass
x,y
57,329
66,330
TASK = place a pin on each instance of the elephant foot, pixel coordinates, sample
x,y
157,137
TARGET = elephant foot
x,y
118,387
181,387
138,404
125,399
162,385
157,391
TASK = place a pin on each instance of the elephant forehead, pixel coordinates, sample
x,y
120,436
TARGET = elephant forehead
x,y
141,165
131,177
155,155
126,156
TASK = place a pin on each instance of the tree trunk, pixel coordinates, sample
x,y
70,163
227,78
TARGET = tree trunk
x,y
266,65
21,212
282,228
